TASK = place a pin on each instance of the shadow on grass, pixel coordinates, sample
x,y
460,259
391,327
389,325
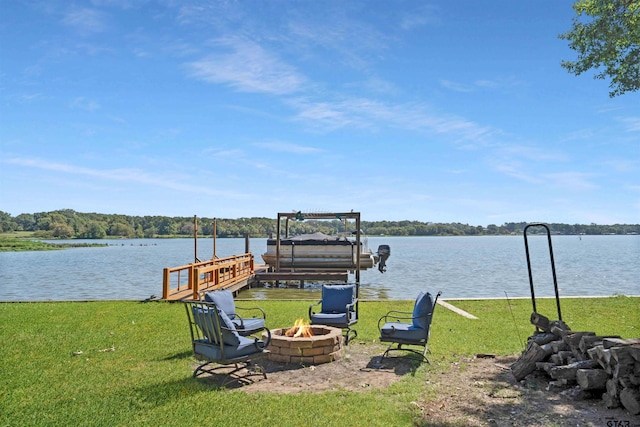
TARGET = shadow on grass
x,y
179,356
399,365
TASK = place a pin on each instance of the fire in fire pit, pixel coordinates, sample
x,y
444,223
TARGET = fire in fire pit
x,y
304,344
300,329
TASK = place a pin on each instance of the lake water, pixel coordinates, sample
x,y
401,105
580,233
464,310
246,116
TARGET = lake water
x,y
462,267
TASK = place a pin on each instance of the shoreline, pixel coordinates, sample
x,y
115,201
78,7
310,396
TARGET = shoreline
x,y
146,300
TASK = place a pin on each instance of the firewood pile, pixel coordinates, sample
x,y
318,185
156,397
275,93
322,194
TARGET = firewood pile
x,y
593,366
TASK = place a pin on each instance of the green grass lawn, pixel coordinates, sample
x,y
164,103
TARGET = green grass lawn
x,y
136,363
19,244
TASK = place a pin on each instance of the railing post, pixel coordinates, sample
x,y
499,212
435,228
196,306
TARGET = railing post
x,y
166,282
195,281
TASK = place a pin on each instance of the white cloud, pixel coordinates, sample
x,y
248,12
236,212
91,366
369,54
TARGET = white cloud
x,y
516,170
287,147
85,104
368,113
572,180
632,123
423,16
85,20
126,175
456,87
247,68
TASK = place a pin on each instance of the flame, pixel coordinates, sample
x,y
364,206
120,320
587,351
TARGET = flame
x,y
300,329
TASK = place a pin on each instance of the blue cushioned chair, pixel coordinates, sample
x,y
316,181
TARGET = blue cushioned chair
x,y
215,339
223,299
339,308
409,328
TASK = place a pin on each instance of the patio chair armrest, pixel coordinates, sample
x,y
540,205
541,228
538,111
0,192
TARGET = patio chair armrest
x,y
259,312
311,308
351,305
401,314
266,341
395,316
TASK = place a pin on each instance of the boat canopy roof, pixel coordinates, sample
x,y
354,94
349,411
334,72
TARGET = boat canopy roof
x,y
312,238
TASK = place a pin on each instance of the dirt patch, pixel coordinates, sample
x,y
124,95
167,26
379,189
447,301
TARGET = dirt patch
x,y
482,391
360,369
478,391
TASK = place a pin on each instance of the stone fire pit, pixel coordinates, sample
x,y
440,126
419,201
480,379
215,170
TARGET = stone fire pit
x,y
324,346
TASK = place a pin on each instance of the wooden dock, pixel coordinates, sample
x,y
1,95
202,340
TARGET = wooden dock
x,y
301,276
188,281
233,273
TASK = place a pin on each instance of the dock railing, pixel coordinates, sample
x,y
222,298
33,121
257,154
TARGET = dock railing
x,y
219,273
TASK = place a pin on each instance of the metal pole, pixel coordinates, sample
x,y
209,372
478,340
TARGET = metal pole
x,y
553,267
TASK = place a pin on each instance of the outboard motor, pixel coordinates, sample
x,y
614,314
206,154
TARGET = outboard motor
x,y
384,251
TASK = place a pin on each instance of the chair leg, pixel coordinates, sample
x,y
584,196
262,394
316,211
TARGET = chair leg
x,y
349,335
399,347
228,376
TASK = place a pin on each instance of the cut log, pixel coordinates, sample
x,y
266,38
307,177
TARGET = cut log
x,y
573,341
592,379
541,322
569,371
543,338
548,348
559,345
559,327
556,359
612,387
621,371
630,399
603,356
588,341
619,342
560,330
610,402
545,366
527,361
628,381
566,357
622,355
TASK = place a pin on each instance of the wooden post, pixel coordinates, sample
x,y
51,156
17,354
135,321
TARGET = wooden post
x,y
196,284
166,282
214,238
195,239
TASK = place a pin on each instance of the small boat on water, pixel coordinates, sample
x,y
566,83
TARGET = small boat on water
x,y
319,251
322,251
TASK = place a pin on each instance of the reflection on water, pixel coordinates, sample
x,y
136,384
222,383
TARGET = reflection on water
x,y
462,267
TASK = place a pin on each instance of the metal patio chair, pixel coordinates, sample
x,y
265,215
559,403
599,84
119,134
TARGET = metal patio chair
x,y
338,308
216,340
245,325
409,328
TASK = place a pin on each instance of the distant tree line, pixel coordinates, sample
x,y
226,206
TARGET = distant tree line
x,y
69,224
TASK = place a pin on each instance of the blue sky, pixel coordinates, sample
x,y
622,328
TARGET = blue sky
x,y
443,111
